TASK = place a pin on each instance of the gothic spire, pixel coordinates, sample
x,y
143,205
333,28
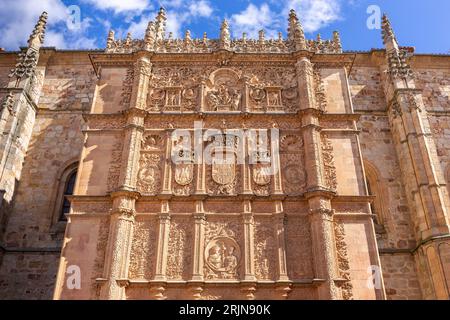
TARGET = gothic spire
x,y
160,24
337,41
110,40
389,39
396,56
296,35
225,39
37,36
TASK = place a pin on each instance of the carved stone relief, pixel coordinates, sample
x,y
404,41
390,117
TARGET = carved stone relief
x,y
183,168
223,172
115,166
223,91
299,258
99,261
222,251
265,253
150,164
179,255
236,88
292,164
143,249
328,163
343,264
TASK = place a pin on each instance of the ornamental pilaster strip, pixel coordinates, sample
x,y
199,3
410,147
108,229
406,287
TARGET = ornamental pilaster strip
x,y
324,248
280,223
163,242
167,181
199,242
249,243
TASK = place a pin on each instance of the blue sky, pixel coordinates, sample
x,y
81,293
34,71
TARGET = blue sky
x,y
422,24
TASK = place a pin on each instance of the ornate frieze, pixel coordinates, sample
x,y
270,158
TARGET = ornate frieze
x,y
206,88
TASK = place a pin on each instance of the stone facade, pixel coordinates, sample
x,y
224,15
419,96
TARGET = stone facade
x,y
337,189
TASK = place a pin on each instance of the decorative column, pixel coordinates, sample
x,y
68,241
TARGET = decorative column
x,y
249,246
124,200
248,287
283,282
275,158
196,282
280,222
317,193
246,172
421,172
167,181
163,242
119,245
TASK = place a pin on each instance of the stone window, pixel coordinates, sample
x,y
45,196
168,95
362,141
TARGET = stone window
x,y
68,191
374,189
64,187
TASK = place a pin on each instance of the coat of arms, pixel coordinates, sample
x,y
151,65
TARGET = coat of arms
x,y
184,173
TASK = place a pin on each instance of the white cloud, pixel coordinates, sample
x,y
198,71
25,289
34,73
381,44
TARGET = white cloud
x,y
315,14
200,8
253,19
119,6
17,22
18,18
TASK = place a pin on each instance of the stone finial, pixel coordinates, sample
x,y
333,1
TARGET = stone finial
x,y
128,39
337,42
296,35
37,36
160,24
387,32
205,38
150,35
225,39
262,35
187,36
110,40
244,37
396,57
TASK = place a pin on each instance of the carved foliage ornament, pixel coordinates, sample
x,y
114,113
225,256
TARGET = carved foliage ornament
x,y
328,163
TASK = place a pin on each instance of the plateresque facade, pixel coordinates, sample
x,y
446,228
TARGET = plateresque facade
x,y
334,184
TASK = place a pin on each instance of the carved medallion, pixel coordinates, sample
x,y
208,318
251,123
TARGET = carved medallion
x,y
222,256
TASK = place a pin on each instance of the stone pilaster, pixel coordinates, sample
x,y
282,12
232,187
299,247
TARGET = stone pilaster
x,y
417,154
280,222
321,218
119,245
163,242
167,180
199,242
124,200
249,246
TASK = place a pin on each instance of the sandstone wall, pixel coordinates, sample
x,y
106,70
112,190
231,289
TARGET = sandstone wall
x,y
33,235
